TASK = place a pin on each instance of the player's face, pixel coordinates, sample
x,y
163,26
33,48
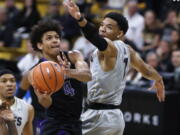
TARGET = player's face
x,y
7,85
109,29
50,44
176,58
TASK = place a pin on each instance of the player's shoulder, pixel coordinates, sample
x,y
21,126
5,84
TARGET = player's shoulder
x,y
22,102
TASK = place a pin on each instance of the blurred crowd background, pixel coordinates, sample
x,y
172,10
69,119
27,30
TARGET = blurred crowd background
x,y
154,32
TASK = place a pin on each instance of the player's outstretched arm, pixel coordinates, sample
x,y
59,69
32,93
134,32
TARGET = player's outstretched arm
x,y
148,72
104,45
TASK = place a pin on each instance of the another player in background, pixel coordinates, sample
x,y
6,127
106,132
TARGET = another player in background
x,y
109,64
63,108
22,112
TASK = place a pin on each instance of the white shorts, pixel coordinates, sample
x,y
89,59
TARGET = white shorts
x,y
102,122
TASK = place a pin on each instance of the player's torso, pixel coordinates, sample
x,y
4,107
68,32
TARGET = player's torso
x,y
20,111
107,87
67,102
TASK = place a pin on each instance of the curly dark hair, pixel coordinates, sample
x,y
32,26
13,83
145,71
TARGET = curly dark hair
x,y
42,27
120,19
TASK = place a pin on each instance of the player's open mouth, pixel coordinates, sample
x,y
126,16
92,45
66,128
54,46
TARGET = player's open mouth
x,y
10,90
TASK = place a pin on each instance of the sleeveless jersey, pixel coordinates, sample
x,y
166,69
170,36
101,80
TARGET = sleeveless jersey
x,y
20,111
67,102
107,87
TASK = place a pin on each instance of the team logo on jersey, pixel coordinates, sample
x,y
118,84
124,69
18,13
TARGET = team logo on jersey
x,y
68,89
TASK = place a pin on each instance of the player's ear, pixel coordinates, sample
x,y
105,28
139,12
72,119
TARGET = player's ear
x,y
39,46
120,33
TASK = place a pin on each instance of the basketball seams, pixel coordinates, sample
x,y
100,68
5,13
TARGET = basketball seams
x,y
44,77
45,80
55,75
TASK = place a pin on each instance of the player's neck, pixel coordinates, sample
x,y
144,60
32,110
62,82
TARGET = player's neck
x,y
50,58
10,100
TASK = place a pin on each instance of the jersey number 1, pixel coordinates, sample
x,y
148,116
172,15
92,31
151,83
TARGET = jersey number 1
x,y
125,62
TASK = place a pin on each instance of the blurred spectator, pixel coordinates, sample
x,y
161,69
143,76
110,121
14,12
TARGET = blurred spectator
x,y
27,17
136,24
53,10
12,11
6,30
176,63
152,31
29,60
170,24
117,4
164,52
175,40
98,10
153,60
84,46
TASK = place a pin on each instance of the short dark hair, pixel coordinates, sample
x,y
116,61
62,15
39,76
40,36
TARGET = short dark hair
x,y
120,19
42,27
5,71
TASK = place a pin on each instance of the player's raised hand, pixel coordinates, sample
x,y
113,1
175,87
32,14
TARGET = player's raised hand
x,y
73,9
159,87
64,63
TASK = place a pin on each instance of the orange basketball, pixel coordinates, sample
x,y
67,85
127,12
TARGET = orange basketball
x,y
48,76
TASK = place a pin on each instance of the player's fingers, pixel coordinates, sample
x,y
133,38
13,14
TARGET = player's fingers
x,y
64,57
161,94
60,60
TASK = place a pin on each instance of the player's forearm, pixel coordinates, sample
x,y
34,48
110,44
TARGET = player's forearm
x,y
80,74
151,74
3,127
91,33
12,128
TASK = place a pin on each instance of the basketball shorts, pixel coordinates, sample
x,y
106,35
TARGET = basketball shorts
x,y
55,127
102,122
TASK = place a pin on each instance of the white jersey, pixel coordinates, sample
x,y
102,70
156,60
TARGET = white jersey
x,y
107,87
20,111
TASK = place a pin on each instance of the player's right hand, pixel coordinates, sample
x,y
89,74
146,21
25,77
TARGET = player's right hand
x,y
73,9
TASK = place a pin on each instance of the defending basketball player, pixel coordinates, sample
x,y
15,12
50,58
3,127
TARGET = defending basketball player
x,y
109,64
63,108
15,115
